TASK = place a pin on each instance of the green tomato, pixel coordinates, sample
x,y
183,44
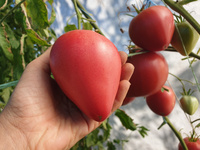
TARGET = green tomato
x,y
189,104
189,37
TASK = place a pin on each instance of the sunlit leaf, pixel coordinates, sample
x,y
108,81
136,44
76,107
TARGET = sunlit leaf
x,y
70,27
36,38
37,11
87,26
126,121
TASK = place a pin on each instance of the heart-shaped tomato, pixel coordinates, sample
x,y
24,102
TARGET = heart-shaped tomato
x,y
153,28
189,37
189,104
87,67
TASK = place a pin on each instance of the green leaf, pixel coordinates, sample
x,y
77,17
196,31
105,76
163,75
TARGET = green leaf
x,y
143,131
184,2
18,67
87,26
36,38
19,18
92,138
198,125
106,131
70,27
11,36
6,85
126,121
37,11
111,146
5,94
5,44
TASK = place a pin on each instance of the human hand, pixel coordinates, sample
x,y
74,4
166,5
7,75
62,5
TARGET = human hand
x,y
39,115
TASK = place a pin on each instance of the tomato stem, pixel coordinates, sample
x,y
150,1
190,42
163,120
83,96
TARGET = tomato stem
x,y
176,132
195,120
77,13
182,11
92,22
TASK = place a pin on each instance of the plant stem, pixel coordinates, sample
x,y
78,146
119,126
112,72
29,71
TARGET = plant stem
x,y
195,120
11,11
181,10
82,9
77,13
170,49
178,135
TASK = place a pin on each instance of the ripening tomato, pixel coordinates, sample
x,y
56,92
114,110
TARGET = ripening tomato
x,y
87,67
150,74
153,28
162,102
191,144
189,104
188,35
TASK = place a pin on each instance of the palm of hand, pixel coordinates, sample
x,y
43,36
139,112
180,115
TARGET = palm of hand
x,y
44,115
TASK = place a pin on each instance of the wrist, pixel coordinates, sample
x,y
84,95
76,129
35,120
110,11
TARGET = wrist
x,y
11,137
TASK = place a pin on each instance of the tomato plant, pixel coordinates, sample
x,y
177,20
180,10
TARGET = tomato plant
x,y
192,144
162,102
88,71
153,28
25,35
150,74
184,34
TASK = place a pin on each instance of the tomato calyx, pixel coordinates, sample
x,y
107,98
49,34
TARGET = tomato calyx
x,y
193,139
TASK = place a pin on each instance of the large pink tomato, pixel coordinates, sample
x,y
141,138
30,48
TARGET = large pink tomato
x,y
87,67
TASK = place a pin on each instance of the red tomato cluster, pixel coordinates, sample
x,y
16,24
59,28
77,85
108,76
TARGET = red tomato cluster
x,y
152,30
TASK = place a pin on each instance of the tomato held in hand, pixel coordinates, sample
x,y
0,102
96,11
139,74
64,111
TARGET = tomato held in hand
x,y
162,103
191,144
87,67
189,37
150,74
153,28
